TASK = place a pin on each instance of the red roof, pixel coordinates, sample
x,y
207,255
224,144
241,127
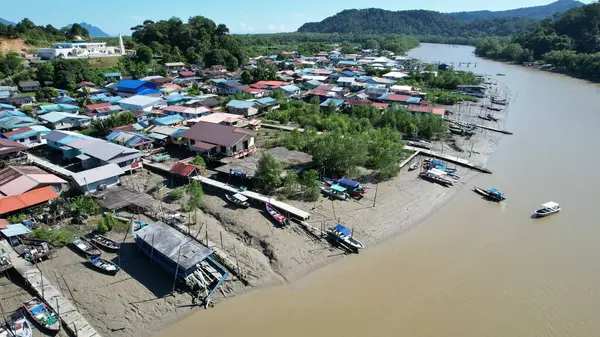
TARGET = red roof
x,y
398,98
254,91
3,224
424,102
268,84
184,169
27,199
17,132
204,146
427,109
317,92
322,72
187,73
93,107
381,106
85,84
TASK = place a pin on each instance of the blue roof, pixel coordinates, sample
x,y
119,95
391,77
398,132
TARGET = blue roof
x,y
175,98
342,229
58,107
35,129
178,132
64,100
267,100
290,88
7,106
240,104
4,94
17,122
15,230
98,97
149,92
414,100
169,120
13,113
348,73
347,63
130,84
112,99
112,75
348,182
336,101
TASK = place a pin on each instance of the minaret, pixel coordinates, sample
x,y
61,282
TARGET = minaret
x,y
121,45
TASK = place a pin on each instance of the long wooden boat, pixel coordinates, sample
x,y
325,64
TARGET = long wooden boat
x,y
344,235
42,314
335,191
17,328
105,243
238,200
86,247
103,265
492,194
436,179
278,217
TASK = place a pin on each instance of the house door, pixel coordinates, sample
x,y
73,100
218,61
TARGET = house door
x,y
245,144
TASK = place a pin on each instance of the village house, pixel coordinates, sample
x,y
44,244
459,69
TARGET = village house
x,y
437,111
186,170
15,180
19,101
167,134
220,118
65,121
111,77
381,81
134,140
43,109
145,103
106,112
290,91
187,73
97,178
229,87
185,112
92,107
93,152
243,108
219,140
10,149
13,120
128,88
145,116
267,104
15,203
345,82
28,86
395,75
336,103
218,68
174,67
172,120
399,99
256,92
30,135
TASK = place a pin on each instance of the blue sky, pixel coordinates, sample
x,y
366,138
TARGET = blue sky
x,y
241,16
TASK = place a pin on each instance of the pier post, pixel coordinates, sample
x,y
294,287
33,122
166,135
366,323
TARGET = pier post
x,y
152,251
375,198
237,263
57,308
221,236
176,270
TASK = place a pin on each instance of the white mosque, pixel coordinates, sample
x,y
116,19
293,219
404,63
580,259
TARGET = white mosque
x,y
78,48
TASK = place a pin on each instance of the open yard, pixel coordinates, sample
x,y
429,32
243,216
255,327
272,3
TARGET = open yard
x,y
103,62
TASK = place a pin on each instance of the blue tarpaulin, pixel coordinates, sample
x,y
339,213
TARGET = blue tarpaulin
x,y
348,182
342,229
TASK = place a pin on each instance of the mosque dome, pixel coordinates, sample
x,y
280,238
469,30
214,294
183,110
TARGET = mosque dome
x,y
77,38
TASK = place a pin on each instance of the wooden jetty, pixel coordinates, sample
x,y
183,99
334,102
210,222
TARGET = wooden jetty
x,y
61,172
284,127
69,315
452,159
493,129
409,159
286,208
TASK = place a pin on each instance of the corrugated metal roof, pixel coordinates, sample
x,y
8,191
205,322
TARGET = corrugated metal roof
x,y
141,100
27,199
15,230
97,174
169,120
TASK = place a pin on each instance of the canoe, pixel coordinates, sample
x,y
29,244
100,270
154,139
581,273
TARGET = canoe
x,y
104,265
413,167
85,247
238,200
42,314
278,217
18,328
344,235
105,243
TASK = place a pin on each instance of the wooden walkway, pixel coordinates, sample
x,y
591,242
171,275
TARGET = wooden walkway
x,y
70,316
49,166
284,127
452,159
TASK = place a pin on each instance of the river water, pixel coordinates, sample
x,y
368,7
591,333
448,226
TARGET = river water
x,y
473,268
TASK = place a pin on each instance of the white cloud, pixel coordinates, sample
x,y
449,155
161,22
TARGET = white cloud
x,y
276,28
271,27
246,28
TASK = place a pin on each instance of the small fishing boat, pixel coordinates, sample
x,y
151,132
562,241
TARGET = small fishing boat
x,y
278,217
138,224
328,181
486,118
413,166
18,328
85,247
5,263
106,243
492,193
493,108
344,235
548,208
42,314
499,101
335,191
238,199
104,265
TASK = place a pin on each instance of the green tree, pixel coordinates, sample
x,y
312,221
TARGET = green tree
x,y
290,183
195,192
46,94
310,185
268,173
176,194
246,77
144,54
77,29
199,161
45,72
339,154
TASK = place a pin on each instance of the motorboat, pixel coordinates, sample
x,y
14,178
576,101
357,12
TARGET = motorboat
x,y
548,208
413,166
238,199
344,235
335,191
492,193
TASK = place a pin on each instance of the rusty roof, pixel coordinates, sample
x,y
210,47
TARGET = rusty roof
x,y
216,134
16,202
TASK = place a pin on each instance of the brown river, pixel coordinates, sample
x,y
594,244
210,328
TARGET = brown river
x,y
473,268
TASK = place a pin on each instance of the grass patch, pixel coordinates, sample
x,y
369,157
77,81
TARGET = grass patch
x,y
104,62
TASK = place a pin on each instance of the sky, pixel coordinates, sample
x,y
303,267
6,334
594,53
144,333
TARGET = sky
x,y
241,16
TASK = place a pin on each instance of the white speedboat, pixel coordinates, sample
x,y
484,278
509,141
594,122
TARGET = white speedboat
x,y
548,208
344,235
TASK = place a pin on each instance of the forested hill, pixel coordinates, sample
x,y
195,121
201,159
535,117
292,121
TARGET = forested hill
x,y
570,42
416,22
536,12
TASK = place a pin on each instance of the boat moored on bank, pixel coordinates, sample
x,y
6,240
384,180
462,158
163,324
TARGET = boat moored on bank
x,y
492,193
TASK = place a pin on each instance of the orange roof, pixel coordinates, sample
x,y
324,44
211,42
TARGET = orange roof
x,y
27,199
3,224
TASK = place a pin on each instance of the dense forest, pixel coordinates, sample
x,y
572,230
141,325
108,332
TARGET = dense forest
x,y
199,41
535,12
416,23
41,35
569,42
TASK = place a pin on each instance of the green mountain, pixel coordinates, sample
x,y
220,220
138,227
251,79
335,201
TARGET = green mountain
x,y
415,22
92,30
536,12
6,22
